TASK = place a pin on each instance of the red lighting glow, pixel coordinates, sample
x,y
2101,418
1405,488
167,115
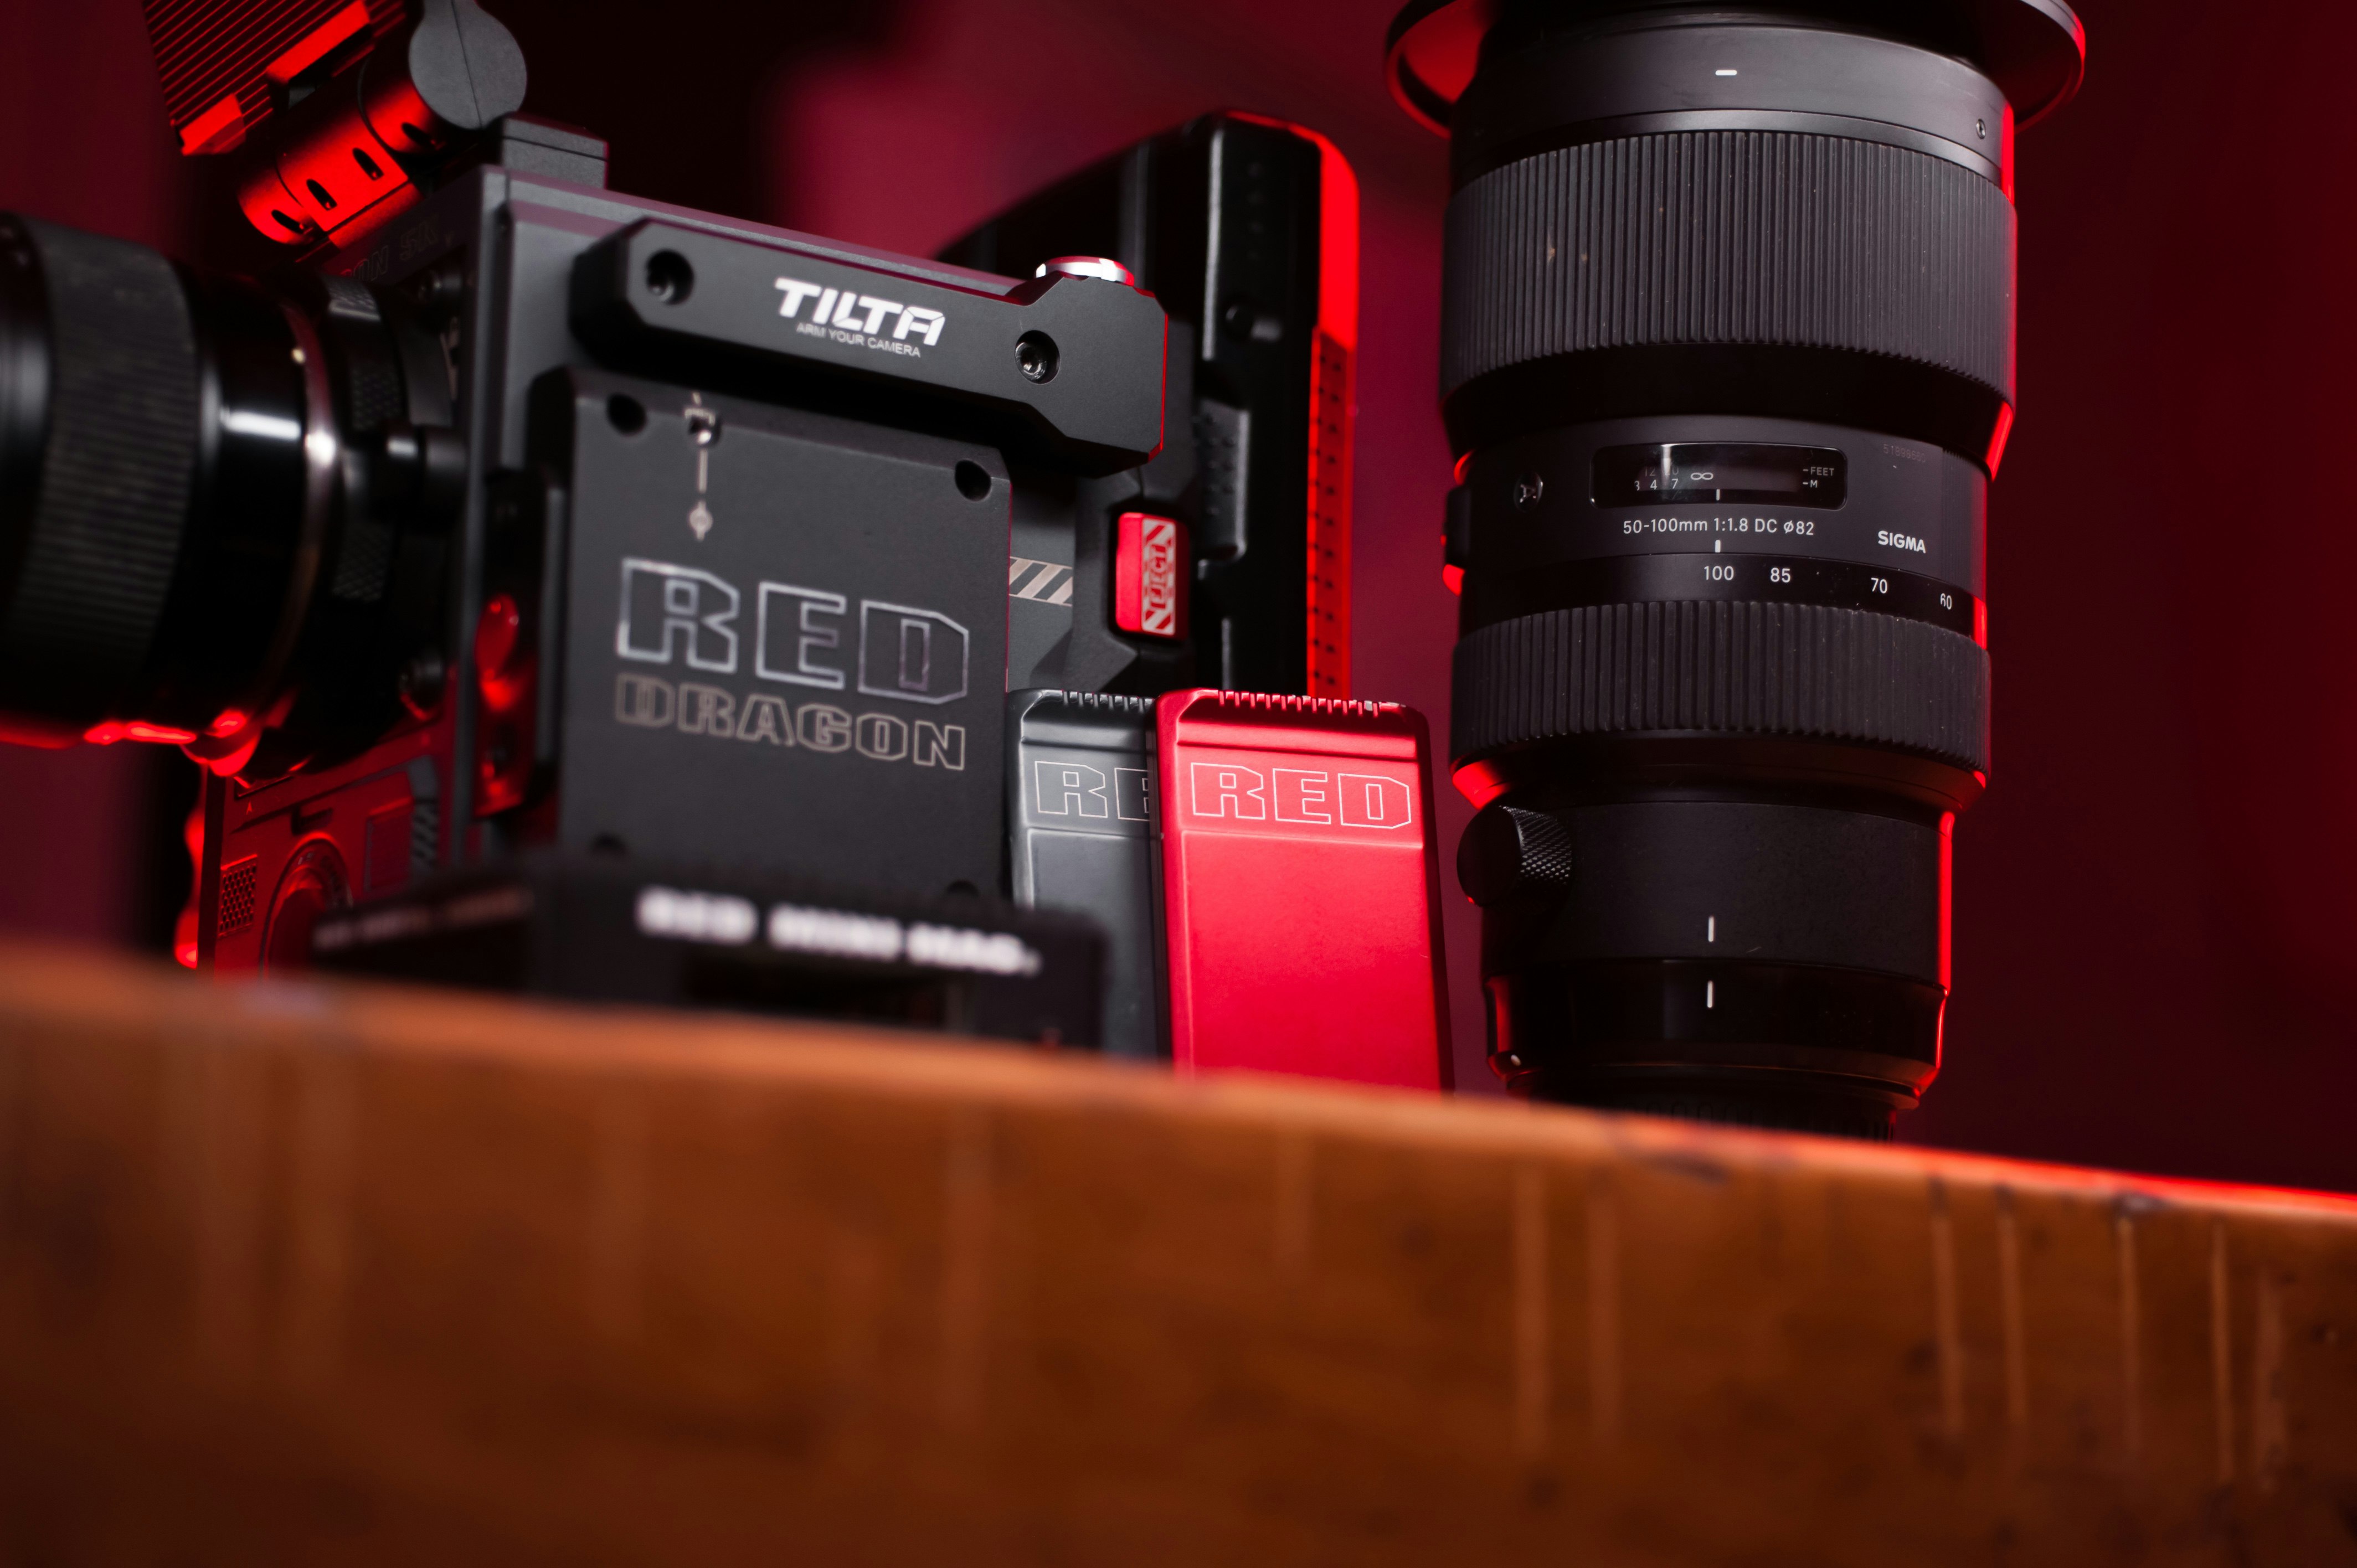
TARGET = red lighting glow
x,y
1997,436
499,636
184,929
506,676
108,733
1477,783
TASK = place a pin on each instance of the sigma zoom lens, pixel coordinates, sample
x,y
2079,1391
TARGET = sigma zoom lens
x,y
1727,361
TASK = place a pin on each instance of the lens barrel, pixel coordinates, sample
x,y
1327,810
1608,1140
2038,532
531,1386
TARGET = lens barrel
x,y
1728,358
193,469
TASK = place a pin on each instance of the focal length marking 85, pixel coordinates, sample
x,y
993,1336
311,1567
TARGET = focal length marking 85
x,y
1645,579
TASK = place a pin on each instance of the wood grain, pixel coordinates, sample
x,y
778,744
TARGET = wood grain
x,y
296,1273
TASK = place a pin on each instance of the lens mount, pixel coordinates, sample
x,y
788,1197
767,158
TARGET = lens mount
x,y
207,527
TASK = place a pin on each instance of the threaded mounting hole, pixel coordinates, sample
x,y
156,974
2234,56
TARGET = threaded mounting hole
x,y
668,277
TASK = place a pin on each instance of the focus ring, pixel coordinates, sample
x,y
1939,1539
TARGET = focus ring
x,y
1727,238
104,534
1745,668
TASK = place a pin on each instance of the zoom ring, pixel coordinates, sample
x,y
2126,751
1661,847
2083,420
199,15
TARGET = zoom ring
x,y
1745,668
104,534
1730,237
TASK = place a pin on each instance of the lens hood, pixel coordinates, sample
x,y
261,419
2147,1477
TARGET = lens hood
x,y
2035,51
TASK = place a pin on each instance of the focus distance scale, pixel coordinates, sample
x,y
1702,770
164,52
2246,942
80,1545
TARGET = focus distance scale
x,y
1727,361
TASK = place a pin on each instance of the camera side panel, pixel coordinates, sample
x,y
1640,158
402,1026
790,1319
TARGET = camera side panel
x,y
784,633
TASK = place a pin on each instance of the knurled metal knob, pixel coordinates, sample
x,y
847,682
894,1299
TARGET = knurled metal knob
x,y
1508,851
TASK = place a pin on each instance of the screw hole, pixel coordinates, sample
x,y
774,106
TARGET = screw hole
x,y
973,481
368,165
626,413
291,225
1035,356
668,277
319,194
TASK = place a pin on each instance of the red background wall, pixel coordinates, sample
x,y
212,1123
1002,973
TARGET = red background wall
x,y
2153,912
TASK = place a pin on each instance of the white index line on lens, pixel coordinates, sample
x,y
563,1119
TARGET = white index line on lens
x,y
1714,927
267,426
1710,993
1723,73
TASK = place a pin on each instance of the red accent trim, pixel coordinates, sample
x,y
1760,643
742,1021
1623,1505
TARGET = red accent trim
x,y
1332,413
216,130
1947,888
1151,562
1453,579
316,45
2005,148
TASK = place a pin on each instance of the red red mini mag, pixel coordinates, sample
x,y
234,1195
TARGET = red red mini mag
x,y
1301,877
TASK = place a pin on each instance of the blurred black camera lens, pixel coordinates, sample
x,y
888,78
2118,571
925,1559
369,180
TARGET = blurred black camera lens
x,y
1727,359
218,501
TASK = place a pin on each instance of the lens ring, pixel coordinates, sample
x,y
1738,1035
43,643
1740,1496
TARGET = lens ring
x,y
1681,240
1727,668
322,457
103,332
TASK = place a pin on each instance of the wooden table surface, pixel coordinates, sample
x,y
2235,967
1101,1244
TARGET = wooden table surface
x,y
323,1274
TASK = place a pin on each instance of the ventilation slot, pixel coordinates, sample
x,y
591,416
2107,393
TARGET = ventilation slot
x,y
237,896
